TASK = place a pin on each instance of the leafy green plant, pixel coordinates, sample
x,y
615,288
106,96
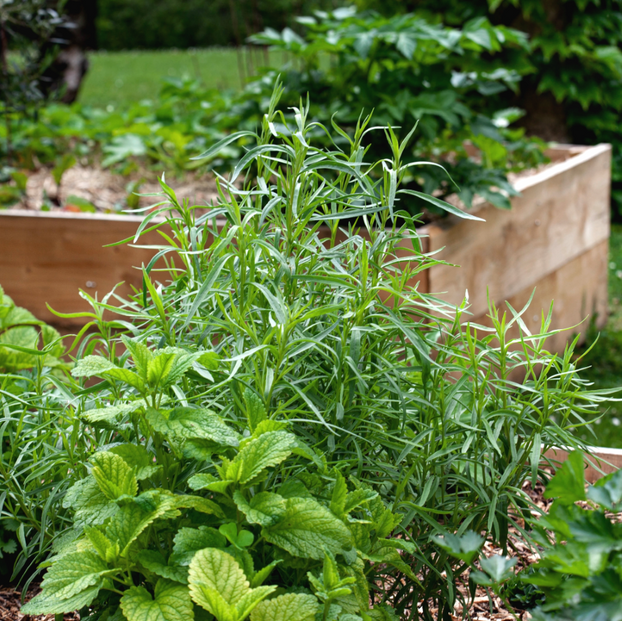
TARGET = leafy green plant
x,y
406,70
572,85
275,368
579,571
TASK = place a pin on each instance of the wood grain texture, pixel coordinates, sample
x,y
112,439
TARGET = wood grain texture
x,y
49,257
562,212
600,462
579,294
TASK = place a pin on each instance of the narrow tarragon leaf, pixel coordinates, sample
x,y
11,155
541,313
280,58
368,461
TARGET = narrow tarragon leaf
x,y
113,475
308,530
288,607
268,450
72,574
188,541
171,602
265,508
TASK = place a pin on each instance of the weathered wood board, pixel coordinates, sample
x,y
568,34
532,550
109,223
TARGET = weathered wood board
x,y
607,460
47,257
562,212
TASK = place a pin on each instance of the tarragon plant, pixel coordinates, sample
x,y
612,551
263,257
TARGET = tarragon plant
x,y
288,420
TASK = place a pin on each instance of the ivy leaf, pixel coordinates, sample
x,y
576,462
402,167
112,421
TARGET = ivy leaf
x,y
265,508
113,475
568,484
288,607
188,541
268,450
307,529
607,491
171,602
497,569
218,584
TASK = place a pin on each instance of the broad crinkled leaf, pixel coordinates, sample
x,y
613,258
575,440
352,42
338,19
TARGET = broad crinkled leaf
x,y
188,541
138,457
113,475
265,508
198,503
308,530
72,574
91,366
155,562
288,607
218,584
255,409
106,549
171,602
260,453
141,355
193,424
132,519
208,482
89,503
44,604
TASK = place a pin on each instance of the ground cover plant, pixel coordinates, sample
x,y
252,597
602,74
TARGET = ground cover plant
x,y
284,421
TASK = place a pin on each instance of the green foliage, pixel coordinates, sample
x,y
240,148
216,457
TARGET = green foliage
x,y
161,24
405,70
283,421
572,89
579,571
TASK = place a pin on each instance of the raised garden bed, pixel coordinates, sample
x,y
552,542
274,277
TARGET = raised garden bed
x,y
554,239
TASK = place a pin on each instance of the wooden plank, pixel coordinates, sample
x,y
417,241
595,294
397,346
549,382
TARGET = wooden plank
x,y
579,294
600,462
562,212
48,257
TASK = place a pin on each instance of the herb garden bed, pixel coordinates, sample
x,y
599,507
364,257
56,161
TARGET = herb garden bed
x,y
554,239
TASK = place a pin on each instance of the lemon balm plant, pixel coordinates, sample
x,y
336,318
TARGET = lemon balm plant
x,y
287,420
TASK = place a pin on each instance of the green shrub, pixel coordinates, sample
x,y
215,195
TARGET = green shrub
x,y
406,70
284,391
572,85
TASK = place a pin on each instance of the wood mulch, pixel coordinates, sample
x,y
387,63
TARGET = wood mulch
x,y
10,602
107,191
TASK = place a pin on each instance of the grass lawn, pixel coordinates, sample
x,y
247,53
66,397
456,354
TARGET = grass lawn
x,y
119,78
